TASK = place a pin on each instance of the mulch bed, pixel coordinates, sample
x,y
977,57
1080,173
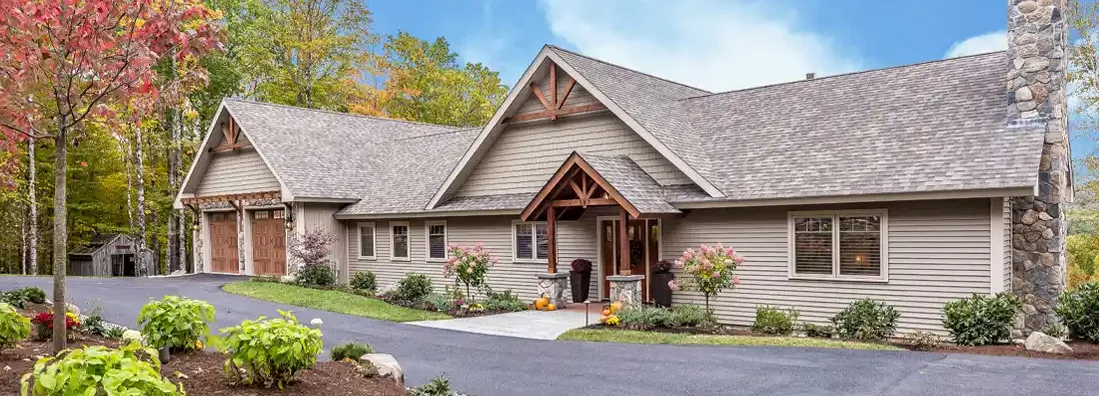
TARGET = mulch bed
x,y
202,373
1080,351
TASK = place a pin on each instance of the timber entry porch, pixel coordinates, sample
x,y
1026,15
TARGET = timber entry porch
x,y
585,181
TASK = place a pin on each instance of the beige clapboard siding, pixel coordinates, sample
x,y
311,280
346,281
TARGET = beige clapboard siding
x,y
938,251
494,231
318,216
236,172
1008,251
525,155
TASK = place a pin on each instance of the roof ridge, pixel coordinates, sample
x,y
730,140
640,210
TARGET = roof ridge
x,y
846,74
345,114
626,68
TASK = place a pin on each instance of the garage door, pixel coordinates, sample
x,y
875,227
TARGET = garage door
x,y
268,242
223,237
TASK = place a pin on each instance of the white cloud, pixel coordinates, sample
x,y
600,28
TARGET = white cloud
x,y
712,44
988,42
490,43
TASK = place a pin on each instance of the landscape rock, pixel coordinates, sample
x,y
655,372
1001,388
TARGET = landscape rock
x,y
1040,342
386,365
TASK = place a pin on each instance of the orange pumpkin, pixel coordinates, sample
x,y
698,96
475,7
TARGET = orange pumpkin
x,y
541,303
617,306
606,312
603,319
551,307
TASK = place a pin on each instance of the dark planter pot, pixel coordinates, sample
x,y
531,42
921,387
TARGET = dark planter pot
x,y
579,281
661,292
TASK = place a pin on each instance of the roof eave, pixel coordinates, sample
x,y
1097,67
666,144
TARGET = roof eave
x,y
861,198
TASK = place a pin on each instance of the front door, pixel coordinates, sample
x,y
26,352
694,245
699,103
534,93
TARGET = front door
x,y
643,236
268,242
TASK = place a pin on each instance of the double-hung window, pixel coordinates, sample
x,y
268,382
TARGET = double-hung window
x,y
436,240
367,241
838,245
531,242
399,242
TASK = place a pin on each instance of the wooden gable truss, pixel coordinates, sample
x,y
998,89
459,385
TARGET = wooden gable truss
x,y
555,105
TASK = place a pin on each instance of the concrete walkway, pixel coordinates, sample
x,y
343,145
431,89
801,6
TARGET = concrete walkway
x,y
537,325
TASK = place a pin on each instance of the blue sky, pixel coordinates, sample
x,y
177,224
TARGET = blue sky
x,y
712,44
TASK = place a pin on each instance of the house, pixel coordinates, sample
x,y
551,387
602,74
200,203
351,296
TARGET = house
x,y
914,185
109,255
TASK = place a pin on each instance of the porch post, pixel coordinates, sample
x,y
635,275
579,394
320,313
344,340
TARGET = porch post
x,y
623,242
551,230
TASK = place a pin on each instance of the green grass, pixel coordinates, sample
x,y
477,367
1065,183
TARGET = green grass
x,y
645,337
330,300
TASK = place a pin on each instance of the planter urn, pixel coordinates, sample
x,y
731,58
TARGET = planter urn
x,y
661,292
579,281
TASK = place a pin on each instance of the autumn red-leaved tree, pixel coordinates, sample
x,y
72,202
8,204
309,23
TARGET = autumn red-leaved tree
x,y
62,61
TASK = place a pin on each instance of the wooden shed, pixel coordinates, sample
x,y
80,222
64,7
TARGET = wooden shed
x,y
108,255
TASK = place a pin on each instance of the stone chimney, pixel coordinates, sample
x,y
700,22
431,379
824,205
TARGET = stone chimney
x,y
1037,97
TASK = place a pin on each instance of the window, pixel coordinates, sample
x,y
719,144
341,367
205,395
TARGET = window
x,y
400,240
367,241
842,245
436,240
531,241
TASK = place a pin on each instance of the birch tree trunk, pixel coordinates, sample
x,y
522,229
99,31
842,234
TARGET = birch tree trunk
x,y
142,262
173,171
23,243
60,234
32,195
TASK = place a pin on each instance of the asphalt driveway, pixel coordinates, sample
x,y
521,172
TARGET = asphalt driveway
x,y
501,366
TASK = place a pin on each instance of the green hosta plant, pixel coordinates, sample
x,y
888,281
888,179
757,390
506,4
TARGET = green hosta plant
x,y
269,351
98,370
175,322
13,326
1079,311
981,320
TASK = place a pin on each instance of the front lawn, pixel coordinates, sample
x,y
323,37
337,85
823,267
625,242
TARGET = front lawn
x,y
644,337
330,300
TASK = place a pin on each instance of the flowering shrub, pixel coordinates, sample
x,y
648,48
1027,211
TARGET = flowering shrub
x,y
13,326
468,265
269,351
175,322
710,270
98,370
43,325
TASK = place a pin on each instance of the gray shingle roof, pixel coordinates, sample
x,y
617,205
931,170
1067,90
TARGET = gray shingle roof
x,y
632,182
935,126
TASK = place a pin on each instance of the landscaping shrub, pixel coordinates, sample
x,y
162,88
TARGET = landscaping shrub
x,y
414,287
98,370
94,324
176,323
921,340
438,386
468,266
771,320
1079,311
269,351
438,302
709,270
981,320
13,326
818,331
364,281
643,318
688,316
866,319
20,297
1055,330
316,275
43,325
115,333
33,294
351,350
506,301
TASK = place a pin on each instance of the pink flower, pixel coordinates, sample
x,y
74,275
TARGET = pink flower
x,y
469,270
728,261
739,260
678,264
479,244
736,280
716,274
729,251
673,285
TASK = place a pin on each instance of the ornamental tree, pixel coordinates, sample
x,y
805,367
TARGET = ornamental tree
x,y
62,61
710,268
468,265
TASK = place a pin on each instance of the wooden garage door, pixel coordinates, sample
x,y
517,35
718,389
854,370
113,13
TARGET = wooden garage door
x,y
223,237
268,242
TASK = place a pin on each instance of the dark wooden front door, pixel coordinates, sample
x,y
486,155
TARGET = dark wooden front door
x,y
223,242
644,245
268,242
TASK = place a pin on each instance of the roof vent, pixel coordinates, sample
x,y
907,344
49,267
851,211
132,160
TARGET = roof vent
x,y
810,76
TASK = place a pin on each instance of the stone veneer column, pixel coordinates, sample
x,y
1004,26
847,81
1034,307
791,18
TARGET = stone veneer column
x,y
626,288
1037,40
555,287
196,238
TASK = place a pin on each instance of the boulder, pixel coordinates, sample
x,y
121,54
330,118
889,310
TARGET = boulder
x,y
1040,342
386,365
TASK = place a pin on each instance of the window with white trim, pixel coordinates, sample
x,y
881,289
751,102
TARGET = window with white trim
x,y
368,240
436,240
399,240
531,241
841,244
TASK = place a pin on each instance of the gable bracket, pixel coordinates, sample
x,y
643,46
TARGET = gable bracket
x,y
231,131
555,105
